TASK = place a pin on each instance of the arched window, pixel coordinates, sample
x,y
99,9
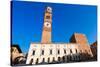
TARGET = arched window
x,y
43,60
64,51
37,60
53,59
77,57
33,52
50,51
31,61
70,51
76,50
59,59
70,58
58,51
42,52
63,58
48,60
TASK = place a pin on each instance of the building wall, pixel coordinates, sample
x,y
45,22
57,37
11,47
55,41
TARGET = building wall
x,y
54,47
94,50
83,43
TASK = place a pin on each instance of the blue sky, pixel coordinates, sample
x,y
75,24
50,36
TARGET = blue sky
x,y
27,22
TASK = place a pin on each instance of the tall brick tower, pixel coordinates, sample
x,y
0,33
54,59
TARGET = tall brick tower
x,y
46,33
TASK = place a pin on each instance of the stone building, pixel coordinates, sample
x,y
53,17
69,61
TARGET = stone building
x,y
94,50
48,52
17,58
84,47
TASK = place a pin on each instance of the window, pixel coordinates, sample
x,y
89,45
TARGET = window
x,y
86,51
70,51
76,50
77,57
64,51
33,52
42,52
31,61
47,17
58,52
48,60
80,51
37,60
70,57
63,58
53,59
50,51
43,60
59,59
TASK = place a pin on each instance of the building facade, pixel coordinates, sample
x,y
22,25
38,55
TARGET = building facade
x,y
84,47
48,52
94,50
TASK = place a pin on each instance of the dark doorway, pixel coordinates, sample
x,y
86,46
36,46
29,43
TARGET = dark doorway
x,y
63,58
37,60
43,60
31,61
59,59
48,60
53,59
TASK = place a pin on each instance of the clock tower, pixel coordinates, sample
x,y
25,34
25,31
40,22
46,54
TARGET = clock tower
x,y
46,33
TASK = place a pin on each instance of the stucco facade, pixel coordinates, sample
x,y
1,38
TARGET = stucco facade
x,y
50,52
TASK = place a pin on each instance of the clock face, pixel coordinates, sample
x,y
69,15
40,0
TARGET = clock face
x,y
49,9
47,24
